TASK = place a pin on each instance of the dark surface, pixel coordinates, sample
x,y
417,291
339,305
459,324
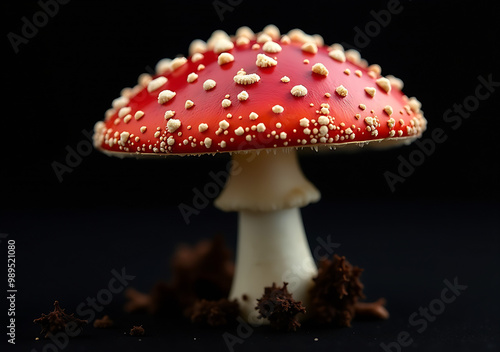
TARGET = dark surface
x,y
440,223
407,249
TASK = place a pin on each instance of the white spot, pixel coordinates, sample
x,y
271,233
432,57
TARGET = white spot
x,y
177,62
143,129
156,83
124,111
376,69
225,58
192,77
144,79
391,122
322,120
323,130
395,82
388,110
189,104
414,104
163,66
304,122
353,55
310,47
243,95
242,41
242,78
263,38
245,32
384,83
222,45
197,57
261,127
120,102
239,131
278,109
370,91
202,127
283,135
265,61
169,114
173,125
124,137
272,31
341,90
369,120
139,114
224,124
165,96
285,79
271,47
299,91
209,84
253,116
285,39
320,69
337,55
226,103
208,142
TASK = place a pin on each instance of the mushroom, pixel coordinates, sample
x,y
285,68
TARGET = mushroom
x,y
261,97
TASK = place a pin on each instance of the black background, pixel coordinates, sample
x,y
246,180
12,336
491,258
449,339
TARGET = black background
x,y
110,212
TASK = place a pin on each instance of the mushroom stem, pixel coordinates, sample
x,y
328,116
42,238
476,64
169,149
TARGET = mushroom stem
x,y
267,190
272,247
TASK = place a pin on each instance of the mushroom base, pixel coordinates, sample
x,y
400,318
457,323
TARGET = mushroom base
x,y
272,247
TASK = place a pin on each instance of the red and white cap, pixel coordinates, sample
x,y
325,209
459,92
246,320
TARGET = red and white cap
x,y
259,91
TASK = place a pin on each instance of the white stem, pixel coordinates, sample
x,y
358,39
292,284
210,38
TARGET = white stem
x,y
267,190
272,247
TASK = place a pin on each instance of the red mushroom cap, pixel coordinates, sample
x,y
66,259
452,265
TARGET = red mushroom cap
x,y
260,91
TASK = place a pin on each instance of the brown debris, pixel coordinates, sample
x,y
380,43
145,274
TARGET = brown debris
x,y
336,291
137,331
372,310
203,271
279,307
57,321
104,322
214,313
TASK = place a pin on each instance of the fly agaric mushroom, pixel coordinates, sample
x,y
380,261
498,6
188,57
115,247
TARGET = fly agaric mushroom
x,y
261,97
